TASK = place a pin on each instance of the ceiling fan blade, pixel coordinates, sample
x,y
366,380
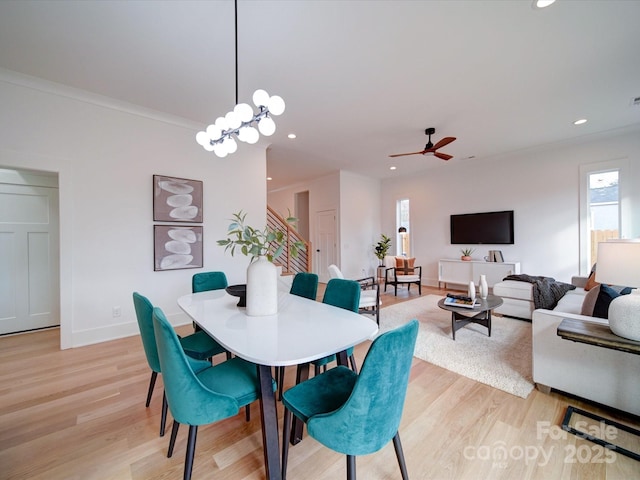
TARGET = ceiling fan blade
x,y
443,156
403,154
443,142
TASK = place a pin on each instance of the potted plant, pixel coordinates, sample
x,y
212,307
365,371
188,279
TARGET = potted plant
x,y
466,254
267,242
262,275
380,250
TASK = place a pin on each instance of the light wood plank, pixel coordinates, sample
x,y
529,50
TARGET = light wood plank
x,y
80,414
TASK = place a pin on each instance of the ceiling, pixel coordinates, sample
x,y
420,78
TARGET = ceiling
x,y
361,79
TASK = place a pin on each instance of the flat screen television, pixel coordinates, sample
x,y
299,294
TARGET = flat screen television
x,y
488,228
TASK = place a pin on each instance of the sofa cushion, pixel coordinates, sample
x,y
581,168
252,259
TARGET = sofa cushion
x,y
590,301
605,297
514,289
571,302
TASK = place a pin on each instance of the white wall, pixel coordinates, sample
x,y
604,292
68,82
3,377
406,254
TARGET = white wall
x,y
105,154
359,224
541,186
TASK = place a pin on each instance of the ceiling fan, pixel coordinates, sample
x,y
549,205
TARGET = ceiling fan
x,y
430,147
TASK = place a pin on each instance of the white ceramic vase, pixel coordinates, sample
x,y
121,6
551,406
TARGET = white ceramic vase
x,y
262,288
484,288
472,291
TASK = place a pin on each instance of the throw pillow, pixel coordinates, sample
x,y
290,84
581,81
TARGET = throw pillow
x,y
605,297
404,266
589,301
591,282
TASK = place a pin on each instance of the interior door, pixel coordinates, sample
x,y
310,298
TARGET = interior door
x,y
325,243
29,278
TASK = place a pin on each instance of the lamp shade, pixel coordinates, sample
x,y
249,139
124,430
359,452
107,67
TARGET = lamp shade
x,y
619,263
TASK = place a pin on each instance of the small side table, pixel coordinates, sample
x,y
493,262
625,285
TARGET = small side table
x,y
600,335
480,314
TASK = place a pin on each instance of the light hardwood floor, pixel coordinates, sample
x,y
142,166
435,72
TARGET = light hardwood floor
x,y
80,414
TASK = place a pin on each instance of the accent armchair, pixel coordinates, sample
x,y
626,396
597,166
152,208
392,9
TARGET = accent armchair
x,y
369,294
403,272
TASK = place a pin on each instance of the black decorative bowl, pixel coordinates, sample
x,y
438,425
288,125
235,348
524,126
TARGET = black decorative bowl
x,y
238,291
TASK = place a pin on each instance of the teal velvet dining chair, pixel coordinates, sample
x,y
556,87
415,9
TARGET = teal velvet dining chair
x,y
198,346
205,281
343,294
357,414
200,398
305,285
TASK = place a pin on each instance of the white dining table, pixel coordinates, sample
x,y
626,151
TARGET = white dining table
x,y
303,330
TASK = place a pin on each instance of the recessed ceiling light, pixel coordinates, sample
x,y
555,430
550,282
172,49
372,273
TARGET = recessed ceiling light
x,y
542,3
392,168
292,135
269,178
580,122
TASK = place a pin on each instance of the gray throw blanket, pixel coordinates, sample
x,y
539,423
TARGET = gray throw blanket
x,y
546,291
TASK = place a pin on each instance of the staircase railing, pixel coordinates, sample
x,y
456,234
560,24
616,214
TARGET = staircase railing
x,y
291,265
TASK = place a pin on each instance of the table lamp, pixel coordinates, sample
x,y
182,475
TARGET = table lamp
x,y
619,264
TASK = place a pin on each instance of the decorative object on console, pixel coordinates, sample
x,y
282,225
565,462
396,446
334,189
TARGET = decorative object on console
x,y
619,264
484,288
466,254
217,138
262,275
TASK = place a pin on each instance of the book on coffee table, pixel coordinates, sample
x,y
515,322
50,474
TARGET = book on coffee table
x,y
460,302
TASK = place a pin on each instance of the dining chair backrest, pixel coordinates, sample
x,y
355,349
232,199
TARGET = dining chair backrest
x,y
342,293
144,311
205,281
305,285
370,418
189,400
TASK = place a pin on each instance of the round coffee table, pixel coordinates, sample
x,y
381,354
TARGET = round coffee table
x,y
480,314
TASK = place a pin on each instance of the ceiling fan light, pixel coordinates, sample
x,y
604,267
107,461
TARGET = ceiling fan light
x,y
260,98
208,147
276,105
267,126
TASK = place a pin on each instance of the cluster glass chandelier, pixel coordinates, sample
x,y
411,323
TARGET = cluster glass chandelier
x,y
241,122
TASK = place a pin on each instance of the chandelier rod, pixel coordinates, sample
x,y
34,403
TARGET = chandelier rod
x,y
236,32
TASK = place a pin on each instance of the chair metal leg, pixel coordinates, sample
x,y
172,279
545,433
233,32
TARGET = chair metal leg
x,y
191,450
398,447
152,384
351,467
163,416
286,431
247,413
172,440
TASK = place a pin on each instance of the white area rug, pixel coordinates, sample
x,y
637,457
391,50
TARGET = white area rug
x,y
502,361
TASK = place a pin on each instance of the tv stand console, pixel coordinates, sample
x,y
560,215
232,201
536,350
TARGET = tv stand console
x,y
461,272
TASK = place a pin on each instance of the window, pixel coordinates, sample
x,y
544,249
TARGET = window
x,y
403,241
601,208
